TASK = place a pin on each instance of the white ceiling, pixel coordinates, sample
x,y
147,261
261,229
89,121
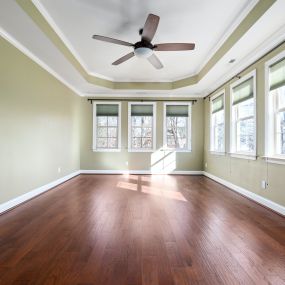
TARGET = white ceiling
x,y
201,21
17,27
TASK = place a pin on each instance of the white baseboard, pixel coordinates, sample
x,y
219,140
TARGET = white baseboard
x,y
143,172
27,196
255,197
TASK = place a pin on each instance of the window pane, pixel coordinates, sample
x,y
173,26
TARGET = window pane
x,y
176,132
112,132
246,109
280,144
245,135
101,132
136,143
281,97
112,143
102,121
112,121
146,132
147,143
136,132
102,143
136,121
147,121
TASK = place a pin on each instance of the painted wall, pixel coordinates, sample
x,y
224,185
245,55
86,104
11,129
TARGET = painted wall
x,y
247,173
125,160
39,125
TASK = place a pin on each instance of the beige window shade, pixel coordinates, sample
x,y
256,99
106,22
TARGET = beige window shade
x,y
243,91
277,75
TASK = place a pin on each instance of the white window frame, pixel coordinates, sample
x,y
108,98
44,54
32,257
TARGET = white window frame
x,y
212,150
233,152
130,149
270,116
95,149
189,127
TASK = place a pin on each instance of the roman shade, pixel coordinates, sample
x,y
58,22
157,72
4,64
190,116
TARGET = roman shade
x,y
142,110
277,74
177,110
243,91
107,110
218,104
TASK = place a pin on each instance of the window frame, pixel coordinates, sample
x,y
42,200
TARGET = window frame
x,y
130,149
212,150
95,149
189,126
233,137
270,139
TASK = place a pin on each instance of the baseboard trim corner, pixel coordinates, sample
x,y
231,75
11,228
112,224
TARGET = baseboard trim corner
x,y
248,194
6,206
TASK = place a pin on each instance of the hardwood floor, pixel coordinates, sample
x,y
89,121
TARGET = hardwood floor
x,y
141,230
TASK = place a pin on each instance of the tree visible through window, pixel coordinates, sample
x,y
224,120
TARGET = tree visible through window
x,y
177,126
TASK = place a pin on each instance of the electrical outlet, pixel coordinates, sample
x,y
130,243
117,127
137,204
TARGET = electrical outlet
x,y
127,163
59,169
206,164
264,184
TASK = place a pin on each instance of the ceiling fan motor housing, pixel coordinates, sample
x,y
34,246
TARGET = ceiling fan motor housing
x,y
143,49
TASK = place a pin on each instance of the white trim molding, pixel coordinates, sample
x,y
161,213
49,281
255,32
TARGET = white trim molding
x,y
36,192
248,194
143,172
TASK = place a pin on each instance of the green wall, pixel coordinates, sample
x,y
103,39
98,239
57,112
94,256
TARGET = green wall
x,y
125,160
39,125
247,174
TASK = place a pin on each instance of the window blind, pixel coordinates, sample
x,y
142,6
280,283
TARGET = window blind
x,y
177,110
218,104
107,110
142,110
277,75
243,91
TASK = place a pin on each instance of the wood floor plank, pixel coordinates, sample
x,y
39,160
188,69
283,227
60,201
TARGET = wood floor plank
x,y
141,230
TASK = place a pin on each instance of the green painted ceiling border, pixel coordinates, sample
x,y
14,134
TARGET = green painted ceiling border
x,y
253,16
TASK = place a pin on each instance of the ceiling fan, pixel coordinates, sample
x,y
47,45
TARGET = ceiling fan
x,y
144,48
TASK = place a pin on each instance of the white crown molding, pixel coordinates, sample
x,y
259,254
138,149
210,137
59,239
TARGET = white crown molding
x,y
33,57
140,94
228,32
259,52
248,194
67,43
36,192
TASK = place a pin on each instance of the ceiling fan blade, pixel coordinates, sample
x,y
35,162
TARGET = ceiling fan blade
x,y
112,41
123,58
174,47
153,59
150,27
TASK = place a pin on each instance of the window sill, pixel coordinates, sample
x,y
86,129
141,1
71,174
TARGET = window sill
x,y
275,159
217,152
106,150
243,156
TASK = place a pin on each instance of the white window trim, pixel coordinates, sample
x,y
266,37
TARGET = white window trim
x,y
269,118
95,149
234,153
130,149
189,131
223,151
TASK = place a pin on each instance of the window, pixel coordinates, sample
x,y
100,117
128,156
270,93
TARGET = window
x,y
275,119
177,126
142,126
217,136
243,119
106,126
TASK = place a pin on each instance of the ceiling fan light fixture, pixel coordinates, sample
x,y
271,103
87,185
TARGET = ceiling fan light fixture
x,y
143,52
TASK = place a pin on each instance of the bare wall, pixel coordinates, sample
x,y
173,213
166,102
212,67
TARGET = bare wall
x,y
39,125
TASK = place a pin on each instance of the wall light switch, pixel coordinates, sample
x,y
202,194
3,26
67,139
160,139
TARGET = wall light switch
x,y
206,164
59,169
